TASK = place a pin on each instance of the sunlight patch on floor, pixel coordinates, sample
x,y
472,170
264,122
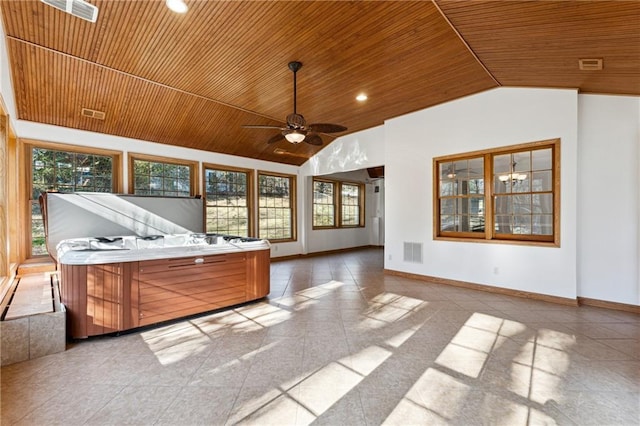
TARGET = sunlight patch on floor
x,y
435,398
176,342
538,369
386,308
316,392
303,299
397,340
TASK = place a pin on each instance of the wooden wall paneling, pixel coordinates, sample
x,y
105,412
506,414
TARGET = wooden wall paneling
x,y
4,200
13,220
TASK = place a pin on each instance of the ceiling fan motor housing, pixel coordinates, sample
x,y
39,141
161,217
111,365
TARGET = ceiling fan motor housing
x,y
296,121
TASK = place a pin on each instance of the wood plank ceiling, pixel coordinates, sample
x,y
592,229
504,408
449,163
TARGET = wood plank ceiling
x,y
193,80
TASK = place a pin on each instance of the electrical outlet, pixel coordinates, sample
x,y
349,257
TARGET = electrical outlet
x,y
390,257
496,270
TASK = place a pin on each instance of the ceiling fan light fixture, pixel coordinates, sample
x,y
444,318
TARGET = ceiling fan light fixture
x,y
295,136
178,6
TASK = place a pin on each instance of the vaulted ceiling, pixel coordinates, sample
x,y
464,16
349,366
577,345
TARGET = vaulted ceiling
x,y
193,80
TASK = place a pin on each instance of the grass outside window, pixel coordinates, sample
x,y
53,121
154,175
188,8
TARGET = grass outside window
x,y
337,204
228,208
276,207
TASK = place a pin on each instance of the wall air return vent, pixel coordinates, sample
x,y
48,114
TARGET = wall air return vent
x,y
413,252
78,8
92,113
590,64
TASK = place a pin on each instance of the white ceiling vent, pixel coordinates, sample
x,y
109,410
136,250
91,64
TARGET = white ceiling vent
x,y
92,113
590,64
79,8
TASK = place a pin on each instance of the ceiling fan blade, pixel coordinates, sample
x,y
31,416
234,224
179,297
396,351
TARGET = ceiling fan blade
x,y
262,126
276,138
327,128
313,139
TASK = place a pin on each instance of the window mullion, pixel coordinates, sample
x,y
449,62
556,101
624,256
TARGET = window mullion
x,y
489,227
337,203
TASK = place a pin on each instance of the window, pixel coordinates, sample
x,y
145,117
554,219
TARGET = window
x,y
150,175
351,207
520,204
276,206
228,200
331,210
61,168
324,204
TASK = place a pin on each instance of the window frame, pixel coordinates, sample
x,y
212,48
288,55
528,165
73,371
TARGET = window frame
x,y
490,235
361,204
26,181
250,192
337,204
292,206
193,172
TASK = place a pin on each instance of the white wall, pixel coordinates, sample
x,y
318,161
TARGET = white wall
x,y
44,132
500,117
608,198
353,152
600,262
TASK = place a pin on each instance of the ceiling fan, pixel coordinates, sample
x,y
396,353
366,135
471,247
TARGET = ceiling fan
x,y
297,130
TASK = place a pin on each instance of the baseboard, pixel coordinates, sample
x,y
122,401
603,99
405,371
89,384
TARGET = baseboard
x,y
488,288
322,253
634,309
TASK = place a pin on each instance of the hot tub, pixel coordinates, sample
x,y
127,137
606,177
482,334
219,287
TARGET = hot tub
x,y
116,283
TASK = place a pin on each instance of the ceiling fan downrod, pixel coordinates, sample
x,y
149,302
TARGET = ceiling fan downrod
x,y
294,66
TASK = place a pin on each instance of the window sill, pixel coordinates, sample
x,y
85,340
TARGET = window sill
x,y
549,244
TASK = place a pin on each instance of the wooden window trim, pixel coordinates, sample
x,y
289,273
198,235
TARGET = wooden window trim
x,y
361,204
293,198
336,212
337,203
250,192
25,184
489,235
193,169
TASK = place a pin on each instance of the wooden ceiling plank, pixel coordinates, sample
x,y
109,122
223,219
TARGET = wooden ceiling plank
x,y
194,79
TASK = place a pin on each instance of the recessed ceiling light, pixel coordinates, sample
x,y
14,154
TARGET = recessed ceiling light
x,y
361,97
178,6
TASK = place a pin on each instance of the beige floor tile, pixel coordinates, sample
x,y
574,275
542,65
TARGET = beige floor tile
x,y
199,405
338,342
265,405
135,405
72,405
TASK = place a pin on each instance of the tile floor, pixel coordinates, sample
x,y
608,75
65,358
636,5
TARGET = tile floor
x,y
339,343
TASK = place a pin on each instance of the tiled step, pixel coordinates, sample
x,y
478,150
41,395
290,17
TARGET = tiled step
x,y
33,296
